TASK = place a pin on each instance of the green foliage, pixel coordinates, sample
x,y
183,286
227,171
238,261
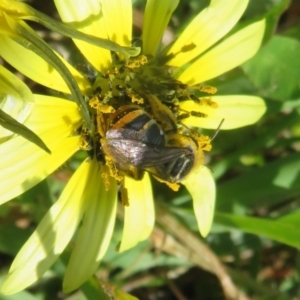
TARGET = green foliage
x,y
13,125
258,196
279,77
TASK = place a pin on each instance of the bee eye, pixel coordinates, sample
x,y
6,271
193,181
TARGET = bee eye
x,y
182,166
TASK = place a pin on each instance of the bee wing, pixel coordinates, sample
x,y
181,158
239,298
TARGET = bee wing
x,y
139,154
122,133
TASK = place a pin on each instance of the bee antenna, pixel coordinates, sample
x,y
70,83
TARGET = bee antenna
x,y
217,131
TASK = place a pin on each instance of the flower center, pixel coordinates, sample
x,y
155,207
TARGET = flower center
x,y
136,110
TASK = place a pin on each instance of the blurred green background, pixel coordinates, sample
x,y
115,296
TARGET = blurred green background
x,y
251,252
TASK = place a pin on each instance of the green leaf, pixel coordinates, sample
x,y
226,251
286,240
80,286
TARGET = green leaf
x,y
120,295
275,70
139,259
11,124
269,9
92,289
262,186
274,8
95,289
293,218
10,245
24,295
264,139
293,32
278,230
234,82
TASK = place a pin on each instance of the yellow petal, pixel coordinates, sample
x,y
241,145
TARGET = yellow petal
x,y
16,99
95,233
207,28
237,111
117,16
34,67
229,54
70,11
52,235
86,16
157,17
51,112
201,185
23,164
139,214
16,9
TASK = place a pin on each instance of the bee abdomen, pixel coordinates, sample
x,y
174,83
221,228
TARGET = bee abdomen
x,y
137,120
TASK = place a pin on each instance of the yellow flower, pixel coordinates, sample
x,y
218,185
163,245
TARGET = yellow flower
x,y
91,194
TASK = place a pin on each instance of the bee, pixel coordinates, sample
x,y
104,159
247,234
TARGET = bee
x,y
136,143
132,155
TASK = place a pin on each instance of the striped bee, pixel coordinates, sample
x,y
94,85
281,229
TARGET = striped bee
x,y
136,143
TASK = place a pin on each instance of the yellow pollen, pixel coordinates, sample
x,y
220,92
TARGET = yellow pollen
x,y
94,102
174,186
198,114
100,107
207,101
111,77
84,143
108,96
113,169
105,109
207,89
106,178
204,142
135,98
143,60
137,63
124,195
